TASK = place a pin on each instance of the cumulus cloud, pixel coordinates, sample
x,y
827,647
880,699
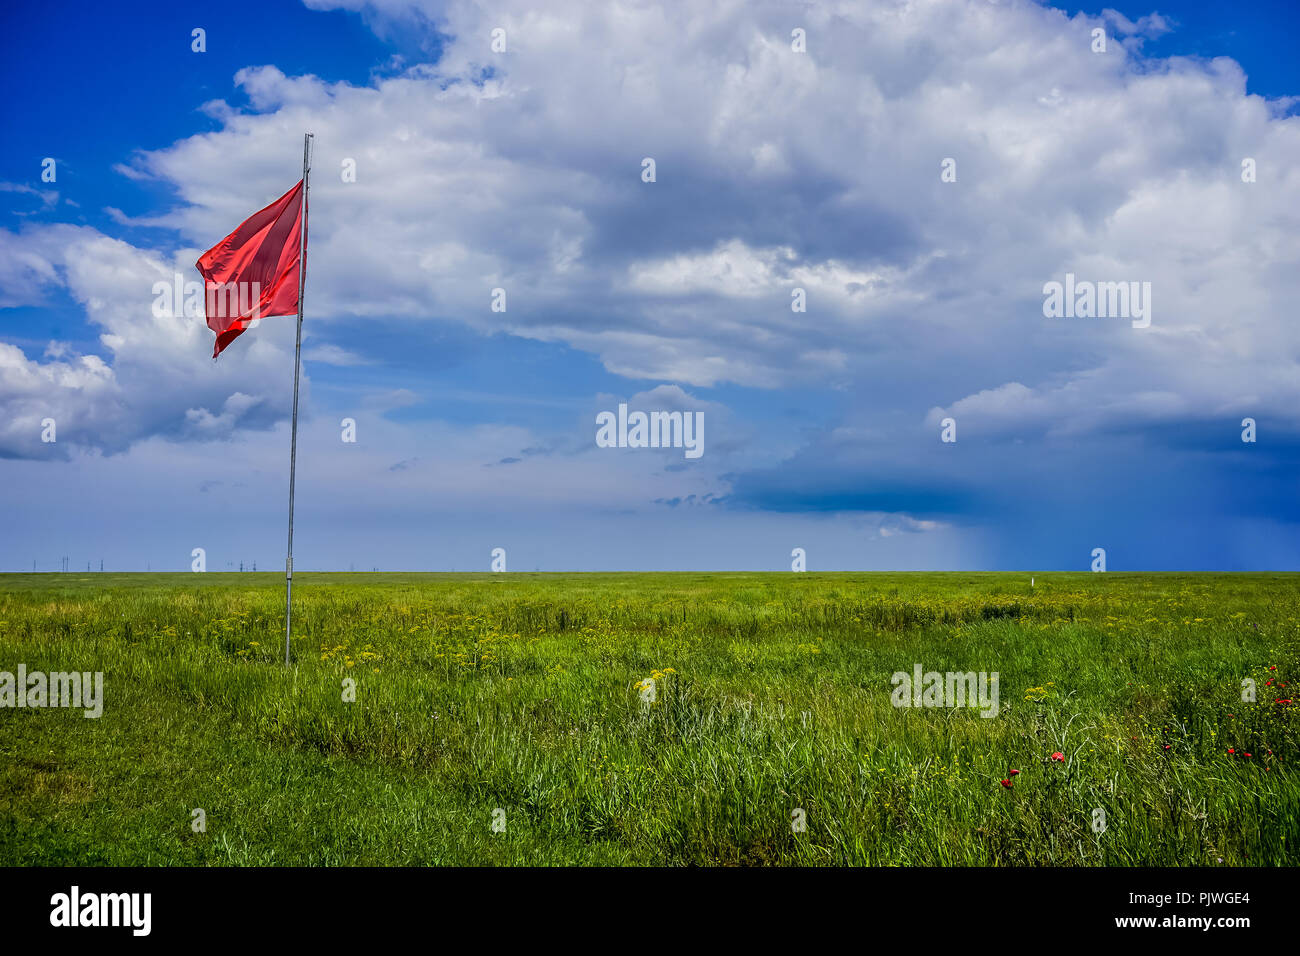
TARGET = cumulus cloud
x,y
775,170
154,375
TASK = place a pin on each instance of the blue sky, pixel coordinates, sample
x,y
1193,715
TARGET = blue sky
x,y
776,171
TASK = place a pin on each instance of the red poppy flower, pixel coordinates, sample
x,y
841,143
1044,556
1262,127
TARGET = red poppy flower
x,y
1231,751
1247,755
1014,772
1166,746
1058,756
1006,783
1273,668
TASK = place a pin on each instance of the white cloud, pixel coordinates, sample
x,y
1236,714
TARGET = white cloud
x,y
157,376
333,355
775,169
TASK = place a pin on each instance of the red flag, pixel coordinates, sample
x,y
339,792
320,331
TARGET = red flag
x,y
253,272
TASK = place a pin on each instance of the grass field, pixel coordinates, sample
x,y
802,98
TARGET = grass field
x,y
521,692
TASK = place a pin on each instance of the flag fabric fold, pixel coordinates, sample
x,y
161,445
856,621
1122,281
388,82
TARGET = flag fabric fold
x,y
253,272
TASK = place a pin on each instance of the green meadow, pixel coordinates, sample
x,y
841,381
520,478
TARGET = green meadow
x,y
507,720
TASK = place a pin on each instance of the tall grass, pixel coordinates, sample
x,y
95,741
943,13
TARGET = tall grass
x,y
520,692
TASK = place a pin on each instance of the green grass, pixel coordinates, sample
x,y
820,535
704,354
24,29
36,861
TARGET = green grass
x,y
519,692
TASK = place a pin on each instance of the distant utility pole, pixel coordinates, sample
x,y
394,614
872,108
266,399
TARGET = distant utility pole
x,y
101,564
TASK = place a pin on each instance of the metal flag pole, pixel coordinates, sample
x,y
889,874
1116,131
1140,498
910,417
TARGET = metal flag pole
x,y
297,366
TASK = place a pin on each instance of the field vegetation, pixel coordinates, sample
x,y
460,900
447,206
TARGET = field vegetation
x,y
525,693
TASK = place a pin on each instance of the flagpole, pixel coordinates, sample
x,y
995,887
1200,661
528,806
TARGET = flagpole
x,y
297,366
